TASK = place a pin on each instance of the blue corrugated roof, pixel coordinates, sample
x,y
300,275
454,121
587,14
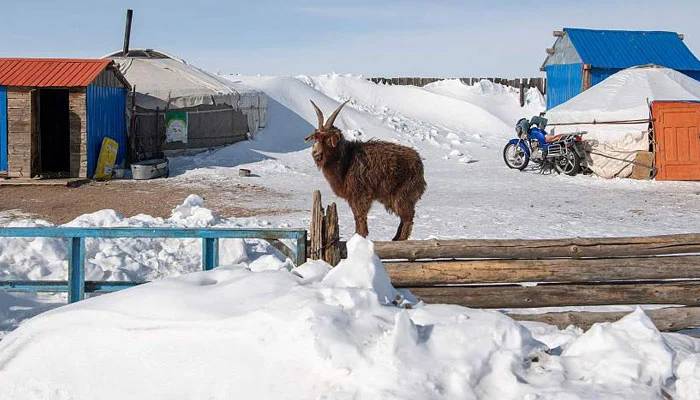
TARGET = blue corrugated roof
x,y
623,49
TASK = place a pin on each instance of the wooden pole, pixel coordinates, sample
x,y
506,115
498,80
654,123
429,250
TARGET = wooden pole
x,y
316,228
538,249
331,251
439,272
559,295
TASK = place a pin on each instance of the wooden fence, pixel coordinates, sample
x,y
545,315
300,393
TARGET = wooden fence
x,y
519,83
512,274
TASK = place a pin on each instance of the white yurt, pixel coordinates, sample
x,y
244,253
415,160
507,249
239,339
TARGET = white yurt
x,y
616,115
179,106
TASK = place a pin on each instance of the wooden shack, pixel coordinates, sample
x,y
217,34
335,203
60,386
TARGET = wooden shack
x,y
55,113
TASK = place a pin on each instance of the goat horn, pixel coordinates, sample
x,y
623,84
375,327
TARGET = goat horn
x,y
319,114
333,116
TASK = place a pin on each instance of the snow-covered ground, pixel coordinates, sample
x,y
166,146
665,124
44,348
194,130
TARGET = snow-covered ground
x,y
316,333
253,329
460,132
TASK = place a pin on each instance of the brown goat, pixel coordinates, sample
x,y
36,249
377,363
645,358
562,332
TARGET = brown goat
x,y
362,172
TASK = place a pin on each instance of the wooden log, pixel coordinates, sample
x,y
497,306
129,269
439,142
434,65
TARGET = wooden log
x,y
665,319
559,295
430,273
331,251
316,228
538,249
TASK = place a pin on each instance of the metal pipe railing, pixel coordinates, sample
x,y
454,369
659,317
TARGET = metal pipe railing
x,y
76,286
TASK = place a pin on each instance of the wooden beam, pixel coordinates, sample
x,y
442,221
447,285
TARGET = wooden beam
x,y
558,295
538,249
665,319
430,273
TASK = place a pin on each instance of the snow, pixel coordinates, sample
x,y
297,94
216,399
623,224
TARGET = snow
x,y
261,327
460,132
274,334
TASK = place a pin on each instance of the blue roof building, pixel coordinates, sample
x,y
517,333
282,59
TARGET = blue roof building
x,y
581,58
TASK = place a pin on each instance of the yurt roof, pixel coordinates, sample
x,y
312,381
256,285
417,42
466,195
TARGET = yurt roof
x,y
160,78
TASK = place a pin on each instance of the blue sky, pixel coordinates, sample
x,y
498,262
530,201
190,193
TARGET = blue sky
x,y
388,38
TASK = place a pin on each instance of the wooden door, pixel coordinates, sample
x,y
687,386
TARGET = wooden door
x,y
677,135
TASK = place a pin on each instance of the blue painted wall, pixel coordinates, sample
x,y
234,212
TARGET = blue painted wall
x,y
106,117
600,74
3,128
564,81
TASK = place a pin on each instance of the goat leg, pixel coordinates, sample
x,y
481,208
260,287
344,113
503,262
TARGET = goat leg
x,y
398,232
361,226
406,228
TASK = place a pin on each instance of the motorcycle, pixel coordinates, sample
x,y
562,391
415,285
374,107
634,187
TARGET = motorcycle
x,y
565,153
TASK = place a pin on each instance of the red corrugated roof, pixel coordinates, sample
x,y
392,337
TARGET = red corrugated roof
x,y
50,72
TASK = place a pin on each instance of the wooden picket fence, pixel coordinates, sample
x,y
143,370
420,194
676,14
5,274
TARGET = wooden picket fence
x,y
512,274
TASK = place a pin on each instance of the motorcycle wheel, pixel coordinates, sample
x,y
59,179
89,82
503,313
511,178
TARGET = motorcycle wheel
x,y
515,157
569,164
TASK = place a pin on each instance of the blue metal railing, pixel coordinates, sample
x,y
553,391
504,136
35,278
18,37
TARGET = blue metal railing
x,y
76,286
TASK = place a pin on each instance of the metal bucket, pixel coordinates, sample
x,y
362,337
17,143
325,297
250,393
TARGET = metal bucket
x,y
150,169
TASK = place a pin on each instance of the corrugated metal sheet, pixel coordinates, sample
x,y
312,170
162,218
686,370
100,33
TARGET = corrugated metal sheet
x,y
600,74
564,81
49,72
624,49
3,128
106,117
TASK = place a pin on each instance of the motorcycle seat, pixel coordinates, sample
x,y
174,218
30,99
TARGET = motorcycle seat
x,y
552,138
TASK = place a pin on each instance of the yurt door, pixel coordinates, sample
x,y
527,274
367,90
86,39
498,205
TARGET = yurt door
x,y
677,135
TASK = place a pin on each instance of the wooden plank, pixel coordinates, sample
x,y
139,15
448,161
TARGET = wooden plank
x,y
316,228
432,273
665,319
538,249
557,295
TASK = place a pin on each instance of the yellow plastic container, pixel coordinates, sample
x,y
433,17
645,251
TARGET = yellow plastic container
x,y
106,160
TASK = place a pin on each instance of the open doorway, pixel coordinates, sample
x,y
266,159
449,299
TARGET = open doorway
x,y
54,132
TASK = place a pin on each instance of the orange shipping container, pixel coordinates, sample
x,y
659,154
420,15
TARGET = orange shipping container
x,y
677,140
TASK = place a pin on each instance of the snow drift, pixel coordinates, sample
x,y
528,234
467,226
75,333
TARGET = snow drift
x,y
313,334
133,259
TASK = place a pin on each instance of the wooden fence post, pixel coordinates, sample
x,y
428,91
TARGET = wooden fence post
x,y
324,232
331,242
316,228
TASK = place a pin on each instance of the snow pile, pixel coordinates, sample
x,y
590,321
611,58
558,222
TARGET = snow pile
x,y
315,334
500,100
137,259
688,384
